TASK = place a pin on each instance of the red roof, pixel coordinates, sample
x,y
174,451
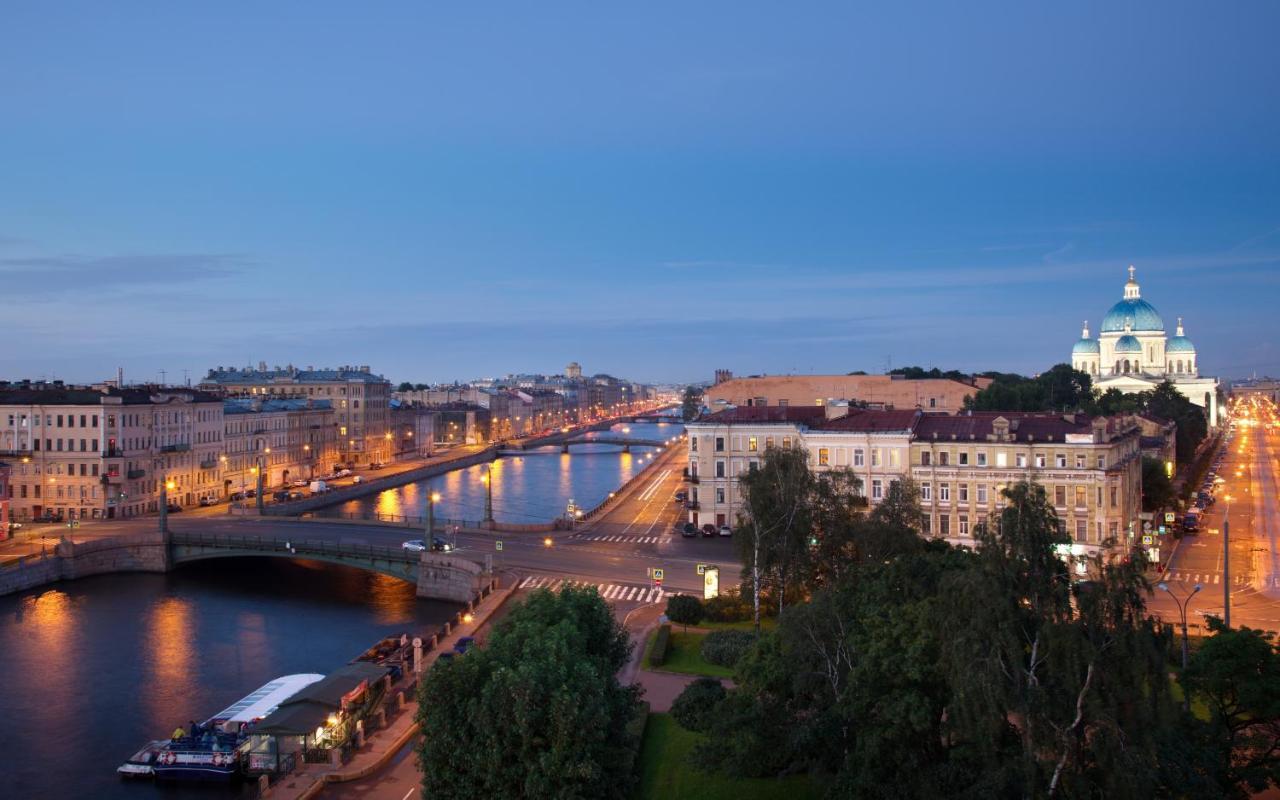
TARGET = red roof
x,y
1024,427
871,421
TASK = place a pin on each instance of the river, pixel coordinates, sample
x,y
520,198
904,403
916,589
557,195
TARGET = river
x,y
93,669
528,487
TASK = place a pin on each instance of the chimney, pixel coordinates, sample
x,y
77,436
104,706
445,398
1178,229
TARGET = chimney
x,y
119,377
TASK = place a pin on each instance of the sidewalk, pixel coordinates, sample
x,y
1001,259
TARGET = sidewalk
x,y
382,745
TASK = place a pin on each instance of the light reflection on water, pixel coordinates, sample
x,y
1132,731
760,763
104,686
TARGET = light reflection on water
x,y
530,487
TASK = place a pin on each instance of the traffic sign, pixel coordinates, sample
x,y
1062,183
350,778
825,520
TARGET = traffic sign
x,y
1169,517
1146,526
1148,539
498,545
657,574
702,569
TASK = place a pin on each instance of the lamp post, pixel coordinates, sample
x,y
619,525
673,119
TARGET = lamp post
x,y
432,499
261,469
1182,615
1226,564
165,486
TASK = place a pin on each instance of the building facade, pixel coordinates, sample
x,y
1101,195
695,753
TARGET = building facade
x,y
1133,353
80,453
286,439
875,391
361,401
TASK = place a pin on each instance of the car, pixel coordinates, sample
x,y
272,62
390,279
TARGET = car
x,y
296,495
681,496
708,530
376,465
415,546
237,495
298,484
440,545
205,502
358,479
725,530
689,530
250,493
174,508
1191,523
342,473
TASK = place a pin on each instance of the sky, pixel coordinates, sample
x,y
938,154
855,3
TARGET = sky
x,y
449,191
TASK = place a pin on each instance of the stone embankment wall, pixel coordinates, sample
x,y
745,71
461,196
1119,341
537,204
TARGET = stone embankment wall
x,y
144,552
449,578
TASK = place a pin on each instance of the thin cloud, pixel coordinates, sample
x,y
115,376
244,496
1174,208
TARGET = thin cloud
x,y
36,276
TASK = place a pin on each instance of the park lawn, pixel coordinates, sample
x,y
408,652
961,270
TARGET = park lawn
x,y
666,774
766,624
684,654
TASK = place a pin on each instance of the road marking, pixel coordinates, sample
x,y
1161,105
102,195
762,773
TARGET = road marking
x,y
408,794
1216,578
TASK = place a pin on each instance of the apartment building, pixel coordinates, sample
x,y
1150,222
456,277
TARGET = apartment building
x,y
360,398
286,439
876,391
1091,469
873,444
78,453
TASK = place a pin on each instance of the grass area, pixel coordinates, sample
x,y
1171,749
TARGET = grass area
x,y
685,655
766,624
1199,709
665,771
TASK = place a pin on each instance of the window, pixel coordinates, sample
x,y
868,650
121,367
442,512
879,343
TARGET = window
x,y
1082,531
926,491
925,458
1060,496
824,456
944,492
1002,459
786,442
751,444
982,493
1040,461
1079,460
720,468
859,458
964,493
719,444
1102,462
942,458
1061,460
944,526
768,442
877,489
895,458
1020,460
964,525
875,456
1080,497
719,495
927,526
1114,530
964,458
982,458
1115,496
693,444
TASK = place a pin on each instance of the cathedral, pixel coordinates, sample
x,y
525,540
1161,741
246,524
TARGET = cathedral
x,y
1133,353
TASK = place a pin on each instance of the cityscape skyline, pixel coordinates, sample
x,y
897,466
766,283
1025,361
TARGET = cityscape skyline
x,y
654,193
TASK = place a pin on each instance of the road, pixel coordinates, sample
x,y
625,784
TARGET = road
x,y
1251,473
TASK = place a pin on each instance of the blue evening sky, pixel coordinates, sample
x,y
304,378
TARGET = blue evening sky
x,y
453,190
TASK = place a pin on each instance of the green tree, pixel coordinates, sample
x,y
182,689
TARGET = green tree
x,y
1236,672
691,404
693,707
1166,402
1060,388
405,386
777,523
1157,490
537,712
684,609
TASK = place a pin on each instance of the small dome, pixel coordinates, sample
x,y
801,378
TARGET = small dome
x,y
1179,343
1128,344
1086,347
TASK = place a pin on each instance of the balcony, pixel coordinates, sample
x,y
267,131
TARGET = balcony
x,y
111,477
134,474
175,448
692,505
690,478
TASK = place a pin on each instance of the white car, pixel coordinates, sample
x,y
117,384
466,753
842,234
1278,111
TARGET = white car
x,y
415,546
725,530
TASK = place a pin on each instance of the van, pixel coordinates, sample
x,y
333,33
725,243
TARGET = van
x,y
319,487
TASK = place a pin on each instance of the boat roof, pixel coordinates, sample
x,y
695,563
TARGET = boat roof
x,y
263,700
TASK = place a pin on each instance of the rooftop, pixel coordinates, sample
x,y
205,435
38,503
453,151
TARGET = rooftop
x,y
795,414
871,421
292,375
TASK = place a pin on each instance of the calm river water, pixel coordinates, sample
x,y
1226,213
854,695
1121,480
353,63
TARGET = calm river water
x,y
530,487
93,669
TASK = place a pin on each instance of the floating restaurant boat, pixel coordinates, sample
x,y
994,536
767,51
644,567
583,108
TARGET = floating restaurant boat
x,y
216,749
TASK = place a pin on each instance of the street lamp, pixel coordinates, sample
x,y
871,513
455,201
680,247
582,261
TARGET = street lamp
x,y
1182,613
487,478
432,499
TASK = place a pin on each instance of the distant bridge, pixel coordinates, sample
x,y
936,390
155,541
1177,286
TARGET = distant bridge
x,y
437,576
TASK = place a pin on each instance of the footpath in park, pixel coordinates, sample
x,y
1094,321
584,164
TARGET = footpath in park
x,y
382,745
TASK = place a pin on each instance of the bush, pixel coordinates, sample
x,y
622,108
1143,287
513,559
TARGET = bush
x,y
661,643
693,708
684,609
726,608
725,648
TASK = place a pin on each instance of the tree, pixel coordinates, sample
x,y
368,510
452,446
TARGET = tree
x,y
777,505
691,405
1060,388
684,609
1166,402
1237,674
405,386
1157,490
537,712
693,707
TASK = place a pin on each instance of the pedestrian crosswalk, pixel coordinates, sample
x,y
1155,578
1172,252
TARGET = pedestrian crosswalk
x,y
620,592
1211,578
592,537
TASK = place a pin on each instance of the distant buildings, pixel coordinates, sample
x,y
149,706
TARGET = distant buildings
x,y
1091,468
1132,353
361,401
285,438
872,391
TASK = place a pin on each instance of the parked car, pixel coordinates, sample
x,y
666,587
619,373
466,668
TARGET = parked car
x,y
358,479
440,545
376,465
250,493
237,495
725,530
280,496
689,530
296,495
1191,523
205,502
415,546
708,530
319,487
298,484
342,473
174,508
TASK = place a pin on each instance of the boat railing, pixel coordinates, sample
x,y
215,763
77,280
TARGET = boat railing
x,y
292,545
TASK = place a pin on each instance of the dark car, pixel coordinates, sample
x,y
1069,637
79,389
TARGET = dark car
x,y
682,496
296,495
708,530
237,495
174,508
440,545
1190,524
280,496
376,465
689,530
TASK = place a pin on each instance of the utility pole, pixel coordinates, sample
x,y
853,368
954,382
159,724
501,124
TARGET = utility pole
x,y
1226,565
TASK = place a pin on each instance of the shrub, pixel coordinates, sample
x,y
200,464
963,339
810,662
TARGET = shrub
x,y
726,608
684,609
725,648
693,708
661,642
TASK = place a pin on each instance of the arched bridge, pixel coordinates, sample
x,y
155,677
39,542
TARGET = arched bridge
x,y
437,576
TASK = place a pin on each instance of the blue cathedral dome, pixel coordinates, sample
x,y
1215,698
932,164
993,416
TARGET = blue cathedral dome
x,y
1179,343
1128,344
1086,347
1138,313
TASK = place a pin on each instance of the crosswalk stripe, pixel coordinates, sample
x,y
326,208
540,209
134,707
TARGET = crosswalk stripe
x,y
526,581
608,593
1216,578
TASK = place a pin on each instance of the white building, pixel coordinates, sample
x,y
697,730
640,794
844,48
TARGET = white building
x,y
1134,354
